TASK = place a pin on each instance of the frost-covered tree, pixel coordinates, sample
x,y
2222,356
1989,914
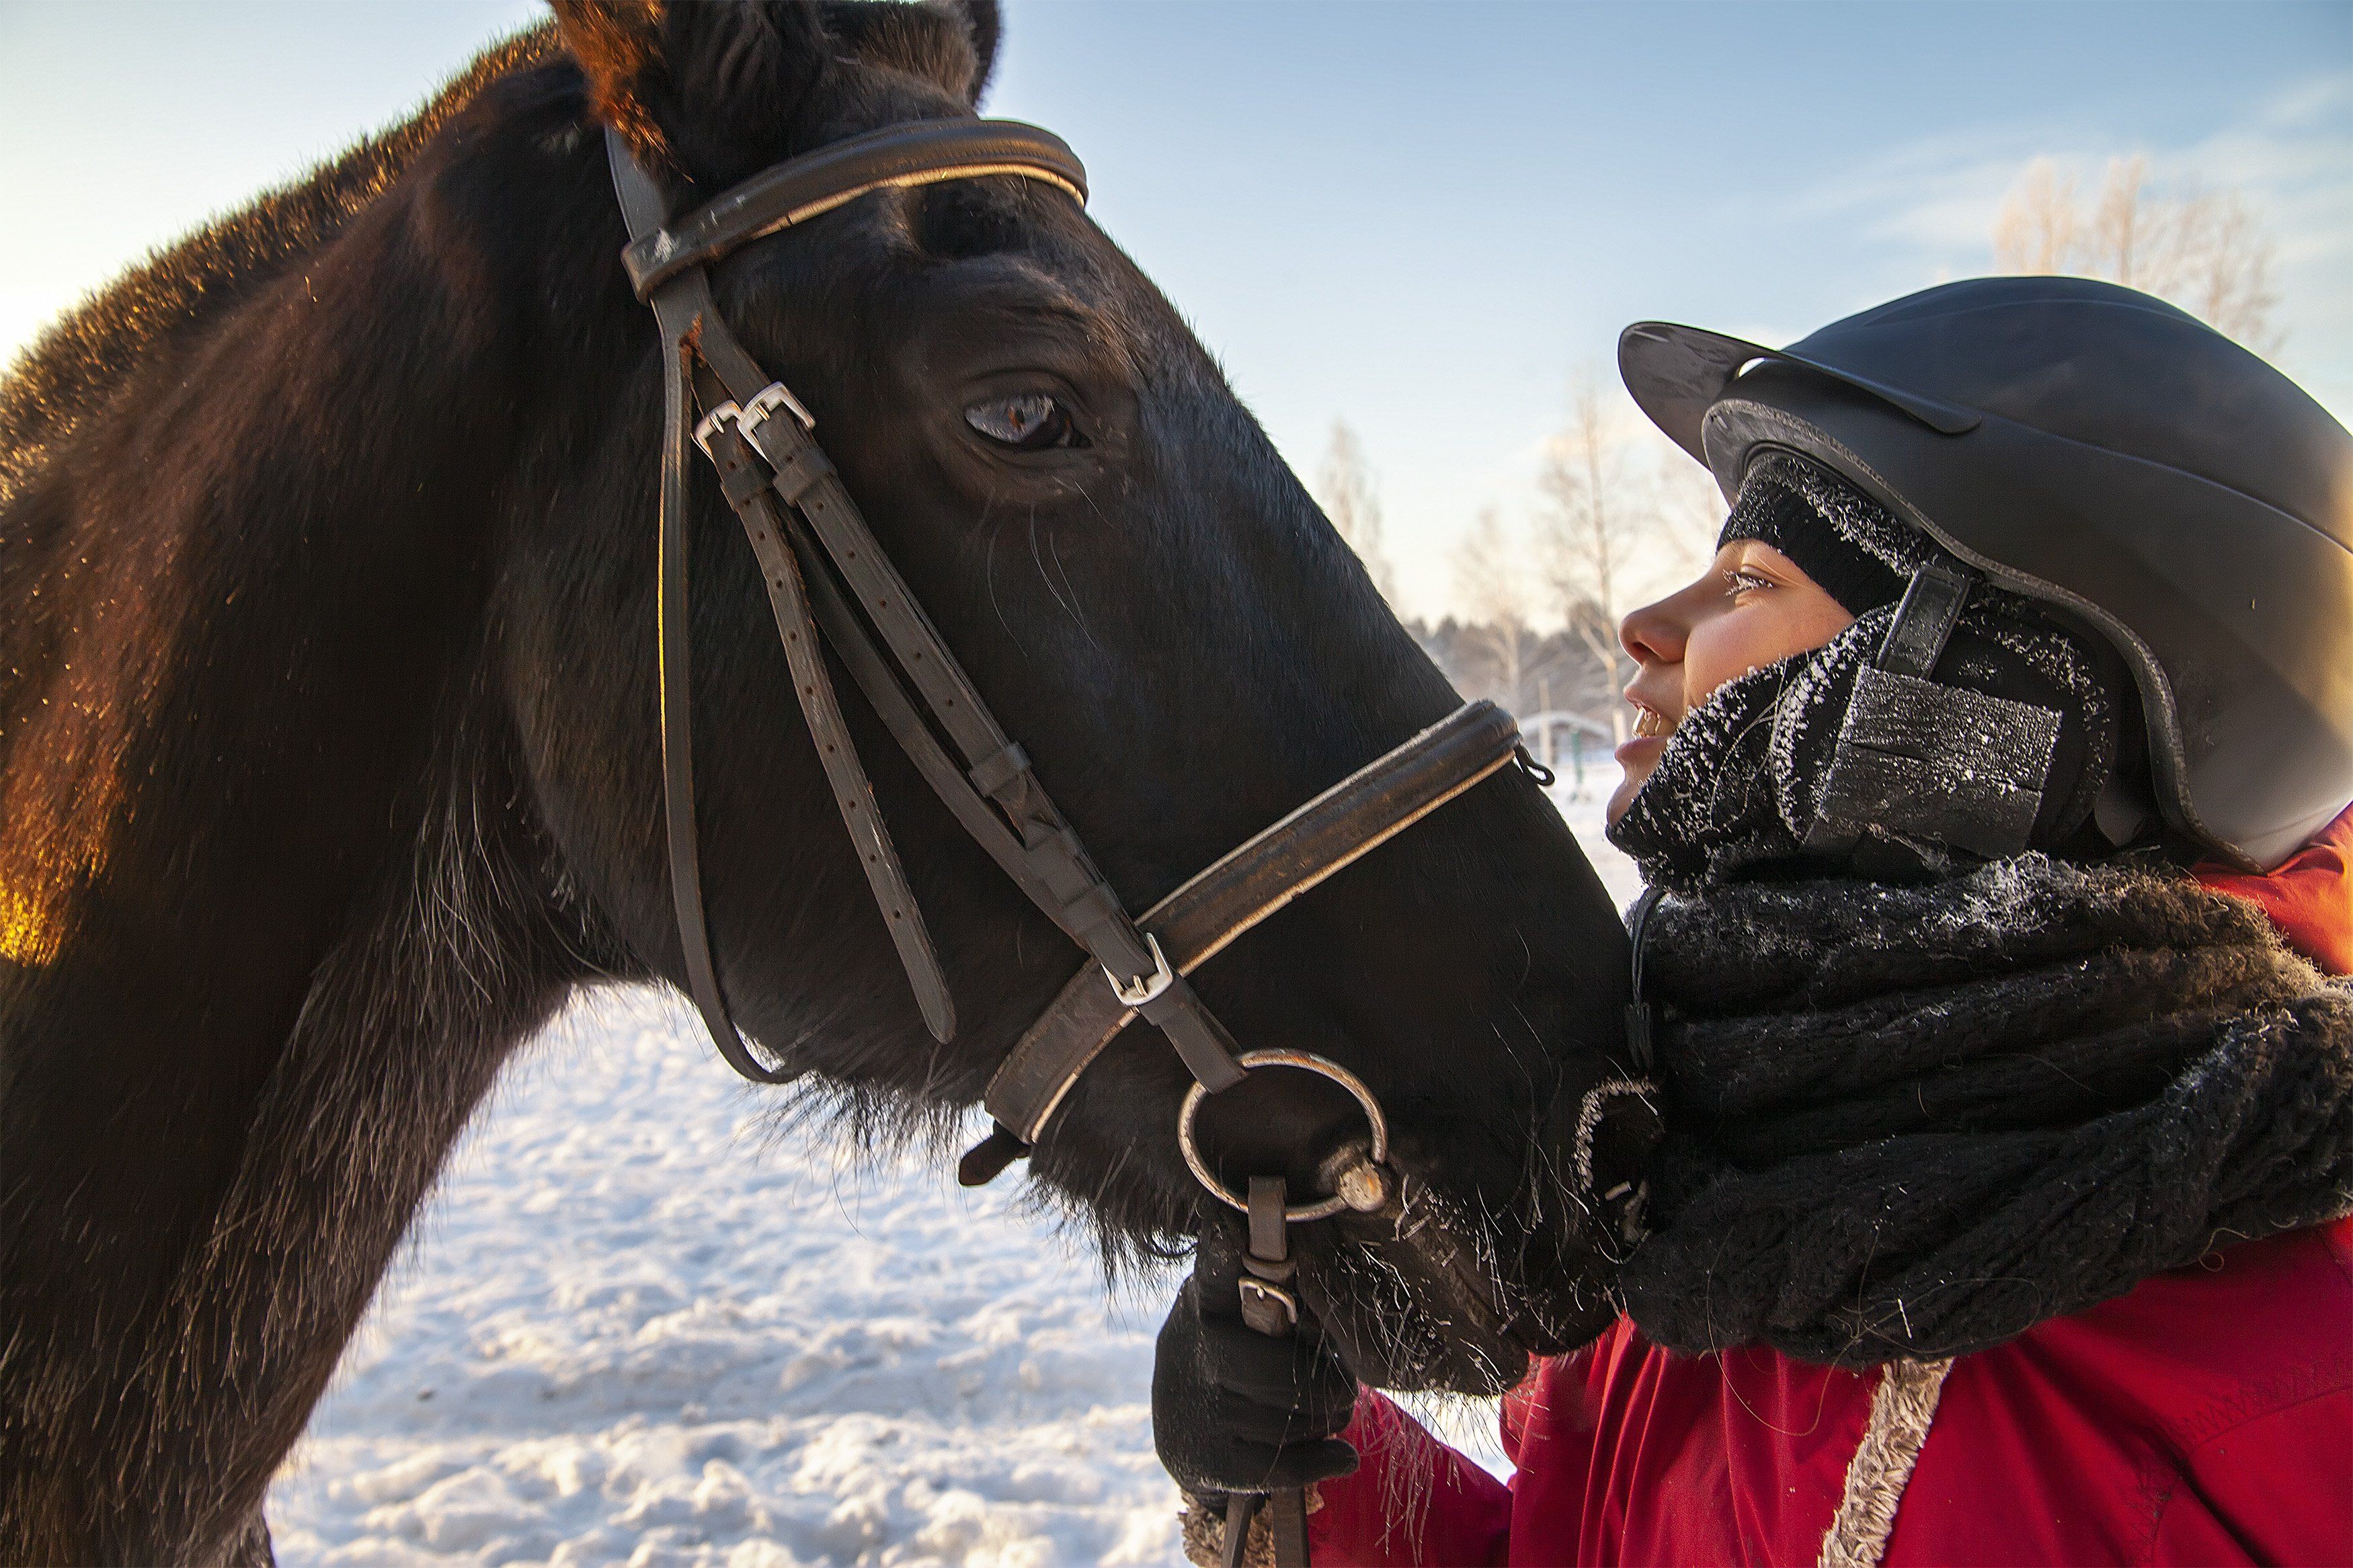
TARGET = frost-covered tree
x,y
1492,583
2206,251
1350,497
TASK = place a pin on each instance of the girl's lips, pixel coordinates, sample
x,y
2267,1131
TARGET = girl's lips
x,y
1647,748
1652,728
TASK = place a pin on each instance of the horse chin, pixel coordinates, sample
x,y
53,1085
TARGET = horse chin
x,y
1445,1362
1425,1306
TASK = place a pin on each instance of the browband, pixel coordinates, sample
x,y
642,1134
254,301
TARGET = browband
x,y
834,176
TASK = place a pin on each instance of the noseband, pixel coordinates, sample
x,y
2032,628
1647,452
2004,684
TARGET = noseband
x,y
828,578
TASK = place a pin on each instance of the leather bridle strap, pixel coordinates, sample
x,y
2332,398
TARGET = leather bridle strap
x,y
1201,919
826,575
920,153
1054,867
678,311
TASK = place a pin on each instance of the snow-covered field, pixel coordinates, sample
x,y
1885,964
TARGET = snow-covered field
x,y
636,1325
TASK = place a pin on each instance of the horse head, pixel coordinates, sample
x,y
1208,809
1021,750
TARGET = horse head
x,y
1146,595
330,762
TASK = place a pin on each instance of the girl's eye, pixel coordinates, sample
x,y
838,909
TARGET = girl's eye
x,y
1027,421
1744,580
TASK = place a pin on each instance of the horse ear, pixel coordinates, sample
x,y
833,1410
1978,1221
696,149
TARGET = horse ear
x,y
988,25
708,90
951,42
617,44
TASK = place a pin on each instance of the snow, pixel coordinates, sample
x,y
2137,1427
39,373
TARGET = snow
x,y
638,1323
1583,811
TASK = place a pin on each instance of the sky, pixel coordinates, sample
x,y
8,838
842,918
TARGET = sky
x,y
1425,219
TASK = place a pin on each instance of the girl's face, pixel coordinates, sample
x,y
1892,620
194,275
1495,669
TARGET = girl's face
x,y
1749,608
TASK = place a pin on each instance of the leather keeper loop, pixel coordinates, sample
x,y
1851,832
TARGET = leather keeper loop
x,y
803,470
992,774
741,473
1925,620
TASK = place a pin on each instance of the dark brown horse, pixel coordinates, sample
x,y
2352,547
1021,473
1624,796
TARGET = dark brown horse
x,y
328,765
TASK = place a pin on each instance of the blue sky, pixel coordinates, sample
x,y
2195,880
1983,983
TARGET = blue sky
x,y
1423,218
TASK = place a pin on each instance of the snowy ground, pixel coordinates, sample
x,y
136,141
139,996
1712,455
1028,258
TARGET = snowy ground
x,y
635,1327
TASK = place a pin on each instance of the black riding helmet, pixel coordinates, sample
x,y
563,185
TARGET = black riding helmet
x,y
2145,477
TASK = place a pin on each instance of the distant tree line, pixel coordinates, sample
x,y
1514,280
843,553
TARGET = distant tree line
x,y
1556,671
1619,515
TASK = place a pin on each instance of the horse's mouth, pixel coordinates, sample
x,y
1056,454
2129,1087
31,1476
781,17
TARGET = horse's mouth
x,y
1417,1299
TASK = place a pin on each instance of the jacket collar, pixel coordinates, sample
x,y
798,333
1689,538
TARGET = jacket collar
x,y
2309,896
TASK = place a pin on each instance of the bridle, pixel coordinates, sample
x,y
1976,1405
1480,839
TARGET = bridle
x,y
826,578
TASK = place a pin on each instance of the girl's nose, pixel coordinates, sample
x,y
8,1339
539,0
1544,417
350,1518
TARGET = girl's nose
x,y
1655,634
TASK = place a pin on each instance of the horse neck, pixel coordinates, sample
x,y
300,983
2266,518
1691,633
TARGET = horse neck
x,y
274,915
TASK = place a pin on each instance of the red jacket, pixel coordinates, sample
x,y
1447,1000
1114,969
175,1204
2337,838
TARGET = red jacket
x,y
2206,1416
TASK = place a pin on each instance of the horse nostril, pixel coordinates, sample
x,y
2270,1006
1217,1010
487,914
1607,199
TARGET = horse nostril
x,y
1600,1136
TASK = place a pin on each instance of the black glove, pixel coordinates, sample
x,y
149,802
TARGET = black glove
x,y
1234,1410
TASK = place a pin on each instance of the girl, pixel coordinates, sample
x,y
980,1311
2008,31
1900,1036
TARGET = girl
x,y
1992,788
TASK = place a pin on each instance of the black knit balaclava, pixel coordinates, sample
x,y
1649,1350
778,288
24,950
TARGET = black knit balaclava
x,y
1738,787
1836,535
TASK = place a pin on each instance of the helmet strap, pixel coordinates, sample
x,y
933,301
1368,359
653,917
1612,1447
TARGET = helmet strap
x,y
1918,761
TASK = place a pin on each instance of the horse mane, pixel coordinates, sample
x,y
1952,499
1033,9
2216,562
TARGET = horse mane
x,y
73,368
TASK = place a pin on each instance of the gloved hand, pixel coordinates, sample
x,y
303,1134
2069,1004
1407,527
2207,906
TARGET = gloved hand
x,y
1234,1410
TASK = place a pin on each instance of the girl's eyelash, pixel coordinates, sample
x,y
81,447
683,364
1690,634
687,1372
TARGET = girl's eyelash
x,y
1742,581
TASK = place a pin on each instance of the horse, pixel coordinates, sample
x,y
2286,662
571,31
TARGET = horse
x,y
328,766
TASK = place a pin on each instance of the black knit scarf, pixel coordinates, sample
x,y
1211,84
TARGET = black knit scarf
x,y
1916,1120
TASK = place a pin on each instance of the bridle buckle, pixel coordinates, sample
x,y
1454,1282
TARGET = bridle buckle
x,y
749,416
1144,988
1269,1308
708,426
770,399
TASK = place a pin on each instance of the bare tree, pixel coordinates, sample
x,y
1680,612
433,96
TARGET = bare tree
x,y
2204,250
2034,232
1589,531
1492,584
1689,508
1347,490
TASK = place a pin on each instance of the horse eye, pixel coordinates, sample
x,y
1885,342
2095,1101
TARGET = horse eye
x,y
1030,421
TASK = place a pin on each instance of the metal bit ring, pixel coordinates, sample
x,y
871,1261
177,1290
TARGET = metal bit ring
x,y
1305,1061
